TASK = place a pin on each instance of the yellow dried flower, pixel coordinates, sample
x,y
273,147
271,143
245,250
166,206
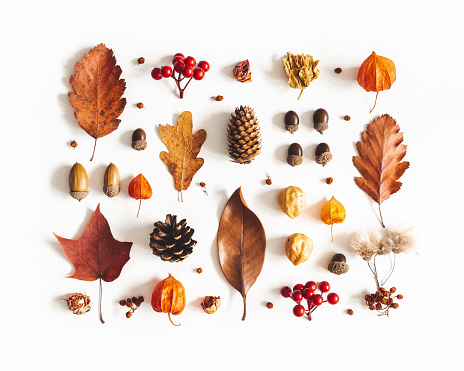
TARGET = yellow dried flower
x,y
301,69
333,212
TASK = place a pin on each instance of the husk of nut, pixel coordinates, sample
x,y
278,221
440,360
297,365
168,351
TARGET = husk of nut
x,y
79,195
291,128
79,303
211,304
111,190
338,268
139,145
292,201
321,126
294,160
324,158
298,248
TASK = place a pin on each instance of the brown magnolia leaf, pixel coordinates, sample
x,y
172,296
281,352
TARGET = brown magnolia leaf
x,y
97,93
96,255
242,245
376,73
140,189
379,161
182,161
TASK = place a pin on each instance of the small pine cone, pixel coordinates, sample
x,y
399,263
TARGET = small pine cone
x,y
172,241
243,135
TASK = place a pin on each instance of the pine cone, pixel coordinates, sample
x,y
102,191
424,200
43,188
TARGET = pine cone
x,y
243,136
172,241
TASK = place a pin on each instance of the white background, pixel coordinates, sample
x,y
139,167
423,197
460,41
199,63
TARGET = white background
x,y
40,43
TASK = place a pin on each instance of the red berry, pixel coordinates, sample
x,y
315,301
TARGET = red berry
x,y
297,296
317,299
156,73
166,71
190,61
204,65
198,73
307,293
178,66
311,285
178,57
187,71
333,298
298,287
298,310
286,292
324,286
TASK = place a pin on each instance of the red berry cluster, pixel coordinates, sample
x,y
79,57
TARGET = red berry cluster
x,y
132,303
307,292
186,68
382,300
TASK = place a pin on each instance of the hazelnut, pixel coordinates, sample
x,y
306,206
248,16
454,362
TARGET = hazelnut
x,y
295,154
298,248
211,304
323,154
321,120
111,181
78,182
139,140
291,121
338,264
292,201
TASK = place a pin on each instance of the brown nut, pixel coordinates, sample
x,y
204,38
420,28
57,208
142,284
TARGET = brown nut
x,y
323,154
291,121
321,120
295,154
211,304
78,182
139,140
338,264
298,248
111,181
292,201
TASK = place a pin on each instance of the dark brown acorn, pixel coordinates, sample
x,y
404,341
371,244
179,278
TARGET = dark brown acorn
x,y
291,121
323,154
321,120
338,265
295,154
139,140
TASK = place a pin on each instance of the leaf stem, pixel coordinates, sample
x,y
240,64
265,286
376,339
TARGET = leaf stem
x,y
301,92
94,146
244,308
374,102
100,300
381,219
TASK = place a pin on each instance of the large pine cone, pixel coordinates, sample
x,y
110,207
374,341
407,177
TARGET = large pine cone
x,y
172,241
243,136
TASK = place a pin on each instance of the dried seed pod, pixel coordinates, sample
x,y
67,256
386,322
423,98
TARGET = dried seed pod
x,y
139,140
111,181
321,120
292,201
298,248
292,121
211,304
338,264
295,154
79,303
78,182
323,154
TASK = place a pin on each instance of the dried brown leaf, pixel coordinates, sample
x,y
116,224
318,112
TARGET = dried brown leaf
x,y
242,245
379,162
182,161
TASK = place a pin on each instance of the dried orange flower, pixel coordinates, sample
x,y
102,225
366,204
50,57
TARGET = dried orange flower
x,y
333,212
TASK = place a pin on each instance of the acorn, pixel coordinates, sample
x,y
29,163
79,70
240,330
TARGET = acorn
x,y
323,154
111,181
139,140
295,154
291,121
321,120
78,182
338,264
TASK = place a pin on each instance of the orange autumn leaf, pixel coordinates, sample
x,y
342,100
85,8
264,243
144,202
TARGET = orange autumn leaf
x,y
379,162
98,90
184,147
333,212
140,189
376,73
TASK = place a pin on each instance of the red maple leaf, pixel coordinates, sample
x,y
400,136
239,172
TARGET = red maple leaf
x,y
96,255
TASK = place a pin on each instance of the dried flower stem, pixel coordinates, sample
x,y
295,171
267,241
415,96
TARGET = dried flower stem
x,y
374,105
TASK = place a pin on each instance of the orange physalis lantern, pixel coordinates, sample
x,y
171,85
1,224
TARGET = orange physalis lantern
x,y
333,212
376,74
140,189
168,297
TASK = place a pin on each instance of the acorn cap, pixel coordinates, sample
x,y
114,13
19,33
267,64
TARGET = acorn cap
x,y
338,264
294,160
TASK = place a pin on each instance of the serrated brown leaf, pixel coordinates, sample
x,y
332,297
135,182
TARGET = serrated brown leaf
x,y
96,255
241,244
379,162
97,93
184,147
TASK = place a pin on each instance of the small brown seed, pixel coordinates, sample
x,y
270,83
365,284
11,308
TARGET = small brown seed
x,y
329,180
218,98
338,70
73,144
141,60
199,270
346,118
140,105
350,312
270,305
